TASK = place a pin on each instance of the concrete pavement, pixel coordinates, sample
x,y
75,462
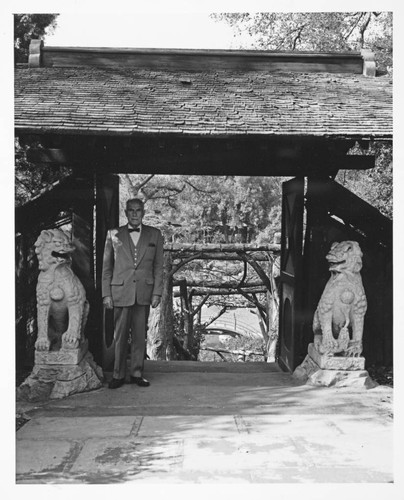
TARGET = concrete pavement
x,y
210,423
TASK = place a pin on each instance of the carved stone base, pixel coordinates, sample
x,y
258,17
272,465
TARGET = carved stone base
x,y
56,381
335,362
342,378
62,356
336,371
306,369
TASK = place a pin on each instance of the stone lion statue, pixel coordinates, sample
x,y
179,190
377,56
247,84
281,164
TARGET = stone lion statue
x,y
62,308
338,320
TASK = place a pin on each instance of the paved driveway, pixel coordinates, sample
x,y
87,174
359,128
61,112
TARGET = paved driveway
x,y
210,423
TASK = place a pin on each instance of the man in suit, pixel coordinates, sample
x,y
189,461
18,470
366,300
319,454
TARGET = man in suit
x,y
132,280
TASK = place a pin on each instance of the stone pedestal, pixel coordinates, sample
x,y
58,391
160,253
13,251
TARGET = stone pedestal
x,y
336,371
62,356
58,374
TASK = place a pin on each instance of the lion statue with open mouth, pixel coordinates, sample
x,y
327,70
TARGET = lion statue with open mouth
x,y
62,308
339,317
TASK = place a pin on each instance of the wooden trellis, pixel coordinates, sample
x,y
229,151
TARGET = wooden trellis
x,y
178,255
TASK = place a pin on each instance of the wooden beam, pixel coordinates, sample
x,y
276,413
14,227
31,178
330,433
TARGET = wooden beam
x,y
237,353
198,60
220,247
209,156
351,209
355,162
201,292
218,284
185,161
259,257
51,156
258,269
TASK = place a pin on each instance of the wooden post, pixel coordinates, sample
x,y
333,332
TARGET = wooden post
x,y
35,53
369,64
188,320
191,314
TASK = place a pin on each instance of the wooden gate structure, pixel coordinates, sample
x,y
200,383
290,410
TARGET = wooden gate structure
x,y
108,111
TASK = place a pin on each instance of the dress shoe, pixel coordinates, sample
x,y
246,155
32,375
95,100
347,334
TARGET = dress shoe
x,y
116,382
139,381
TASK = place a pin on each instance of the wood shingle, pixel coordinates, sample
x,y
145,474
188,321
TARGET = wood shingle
x,y
129,101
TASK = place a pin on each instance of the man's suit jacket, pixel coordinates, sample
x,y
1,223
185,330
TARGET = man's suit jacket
x,y
132,274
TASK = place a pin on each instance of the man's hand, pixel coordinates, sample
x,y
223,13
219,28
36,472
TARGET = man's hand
x,y
108,303
155,301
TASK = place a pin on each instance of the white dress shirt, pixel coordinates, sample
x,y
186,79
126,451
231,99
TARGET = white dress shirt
x,y
135,235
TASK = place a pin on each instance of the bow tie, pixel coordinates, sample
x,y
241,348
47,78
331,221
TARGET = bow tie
x,y
136,229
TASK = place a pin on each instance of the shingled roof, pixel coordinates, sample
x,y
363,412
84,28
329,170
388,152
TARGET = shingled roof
x,y
128,101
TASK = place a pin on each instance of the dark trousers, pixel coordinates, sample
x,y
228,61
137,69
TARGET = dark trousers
x,y
131,319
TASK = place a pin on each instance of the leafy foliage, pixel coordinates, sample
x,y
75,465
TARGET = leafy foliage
x,y
27,27
376,185
206,209
330,31
31,179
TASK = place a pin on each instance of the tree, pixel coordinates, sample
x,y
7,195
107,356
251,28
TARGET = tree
x,y
374,186
200,209
206,209
27,27
331,31
31,179
203,209
315,31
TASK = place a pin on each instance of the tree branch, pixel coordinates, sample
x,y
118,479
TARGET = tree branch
x,y
214,318
263,330
141,184
199,189
253,299
152,194
244,276
289,34
25,185
200,305
361,14
258,269
136,187
298,37
182,263
363,29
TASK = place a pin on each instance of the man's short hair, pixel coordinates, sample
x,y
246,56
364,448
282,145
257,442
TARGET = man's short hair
x,y
135,200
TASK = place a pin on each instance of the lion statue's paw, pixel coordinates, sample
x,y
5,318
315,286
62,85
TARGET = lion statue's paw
x,y
354,349
328,346
42,344
70,340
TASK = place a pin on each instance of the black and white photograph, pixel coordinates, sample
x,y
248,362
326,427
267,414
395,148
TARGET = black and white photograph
x,y
203,248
